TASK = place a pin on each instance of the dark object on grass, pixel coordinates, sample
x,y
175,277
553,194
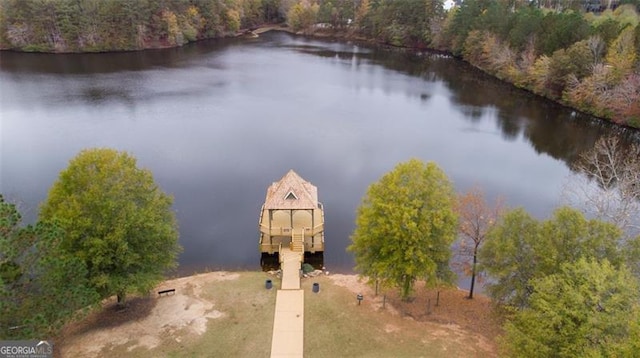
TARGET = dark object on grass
x,y
167,292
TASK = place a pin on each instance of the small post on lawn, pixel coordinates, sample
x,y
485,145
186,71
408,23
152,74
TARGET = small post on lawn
x,y
438,299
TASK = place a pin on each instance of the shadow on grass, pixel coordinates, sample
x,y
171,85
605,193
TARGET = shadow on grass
x,y
114,315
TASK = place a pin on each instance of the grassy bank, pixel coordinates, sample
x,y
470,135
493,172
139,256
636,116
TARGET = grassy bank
x,y
240,318
335,326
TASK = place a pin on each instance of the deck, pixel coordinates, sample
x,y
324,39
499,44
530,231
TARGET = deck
x,y
291,207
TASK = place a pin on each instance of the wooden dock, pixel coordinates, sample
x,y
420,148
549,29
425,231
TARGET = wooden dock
x,y
288,320
290,262
291,223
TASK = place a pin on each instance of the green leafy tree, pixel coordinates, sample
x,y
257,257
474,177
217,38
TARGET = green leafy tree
x,y
583,59
520,249
631,250
303,15
621,54
608,30
406,23
526,24
336,12
41,287
117,221
253,13
571,236
271,11
362,13
561,30
405,227
587,309
466,18
632,2
499,18
637,41
509,257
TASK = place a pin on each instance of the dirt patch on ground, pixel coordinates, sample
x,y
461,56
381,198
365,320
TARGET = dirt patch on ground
x,y
446,306
451,307
145,320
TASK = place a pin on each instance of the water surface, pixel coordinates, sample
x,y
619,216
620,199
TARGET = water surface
x,y
218,121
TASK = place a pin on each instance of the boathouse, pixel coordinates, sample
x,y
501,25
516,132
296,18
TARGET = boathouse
x,y
292,217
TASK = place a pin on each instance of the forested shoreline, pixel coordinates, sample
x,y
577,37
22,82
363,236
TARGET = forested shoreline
x,y
553,48
62,26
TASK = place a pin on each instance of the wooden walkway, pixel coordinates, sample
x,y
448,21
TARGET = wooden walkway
x,y
290,264
288,320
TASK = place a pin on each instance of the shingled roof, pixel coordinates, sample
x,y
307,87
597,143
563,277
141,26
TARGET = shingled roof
x,y
291,192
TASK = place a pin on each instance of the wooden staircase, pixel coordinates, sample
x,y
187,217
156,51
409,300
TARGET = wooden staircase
x,y
297,241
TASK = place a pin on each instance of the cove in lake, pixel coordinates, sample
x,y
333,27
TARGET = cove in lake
x,y
218,121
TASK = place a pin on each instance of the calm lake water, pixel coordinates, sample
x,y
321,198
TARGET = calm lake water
x,y
218,121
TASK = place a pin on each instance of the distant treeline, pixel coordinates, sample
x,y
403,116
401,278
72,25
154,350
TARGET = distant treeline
x,y
550,47
120,25
586,61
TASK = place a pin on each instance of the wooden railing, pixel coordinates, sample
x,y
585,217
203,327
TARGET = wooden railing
x,y
273,231
286,231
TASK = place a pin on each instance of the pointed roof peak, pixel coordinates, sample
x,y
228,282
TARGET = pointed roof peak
x,y
291,192
292,173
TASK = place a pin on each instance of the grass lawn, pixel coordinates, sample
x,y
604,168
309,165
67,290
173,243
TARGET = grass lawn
x,y
335,325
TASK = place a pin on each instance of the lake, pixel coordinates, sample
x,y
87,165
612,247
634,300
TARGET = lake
x,y
218,121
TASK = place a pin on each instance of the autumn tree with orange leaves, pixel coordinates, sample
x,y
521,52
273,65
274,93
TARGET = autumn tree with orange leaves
x,y
476,218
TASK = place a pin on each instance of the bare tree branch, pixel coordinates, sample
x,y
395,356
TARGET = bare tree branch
x,y
607,184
